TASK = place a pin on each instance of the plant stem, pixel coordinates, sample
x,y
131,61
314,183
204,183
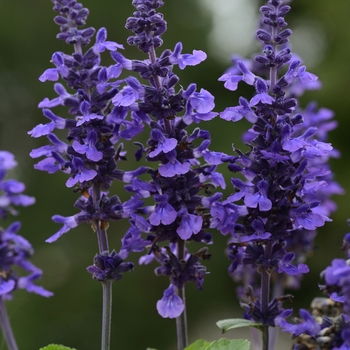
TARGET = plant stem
x,y
181,321
265,298
101,233
277,291
106,315
265,338
103,246
6,327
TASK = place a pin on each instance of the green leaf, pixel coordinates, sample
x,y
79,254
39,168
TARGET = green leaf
x,y
56,347
199,344
229,344
232,323
222,344
150,349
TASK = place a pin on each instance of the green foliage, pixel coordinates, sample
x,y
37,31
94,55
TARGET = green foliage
x,y
56,347
232,323
199,344
222,344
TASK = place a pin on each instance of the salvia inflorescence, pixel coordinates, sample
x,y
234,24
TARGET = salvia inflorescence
x,y
16,269
282,181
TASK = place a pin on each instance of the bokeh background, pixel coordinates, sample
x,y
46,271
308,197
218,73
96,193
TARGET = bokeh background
x,y
220,28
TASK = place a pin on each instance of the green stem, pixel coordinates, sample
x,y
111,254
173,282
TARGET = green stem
x,y
103,246
265,298
277,292
102,237
6,327
106,315
265,338
181,321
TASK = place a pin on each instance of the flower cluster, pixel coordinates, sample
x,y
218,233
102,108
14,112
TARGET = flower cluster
x,y
327,326
285,195
281,194
92,148
180,213
15,250
109,266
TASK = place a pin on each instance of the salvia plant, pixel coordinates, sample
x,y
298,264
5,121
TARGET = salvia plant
x,y
15,250
281,182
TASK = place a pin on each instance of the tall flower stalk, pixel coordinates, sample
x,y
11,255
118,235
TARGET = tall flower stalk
x,y
90,153
15,250
285,195
180,213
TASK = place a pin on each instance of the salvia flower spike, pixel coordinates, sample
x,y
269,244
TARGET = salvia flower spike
x,y
180,213
15,250
92,148
285,196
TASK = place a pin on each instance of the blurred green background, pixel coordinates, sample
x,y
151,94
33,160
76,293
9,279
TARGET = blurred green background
x,y
220,28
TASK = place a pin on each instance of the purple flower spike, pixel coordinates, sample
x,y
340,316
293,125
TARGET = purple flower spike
x,y
171,305
15,250
273,213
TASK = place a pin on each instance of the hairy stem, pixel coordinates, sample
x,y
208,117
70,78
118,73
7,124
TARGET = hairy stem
x,y
103,245
277,291
265,298
106,315
6,327
101,233
265,338
181,321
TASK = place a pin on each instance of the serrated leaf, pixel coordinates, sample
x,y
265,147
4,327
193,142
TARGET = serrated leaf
x,y
199,344
56,347
229,344
232,323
